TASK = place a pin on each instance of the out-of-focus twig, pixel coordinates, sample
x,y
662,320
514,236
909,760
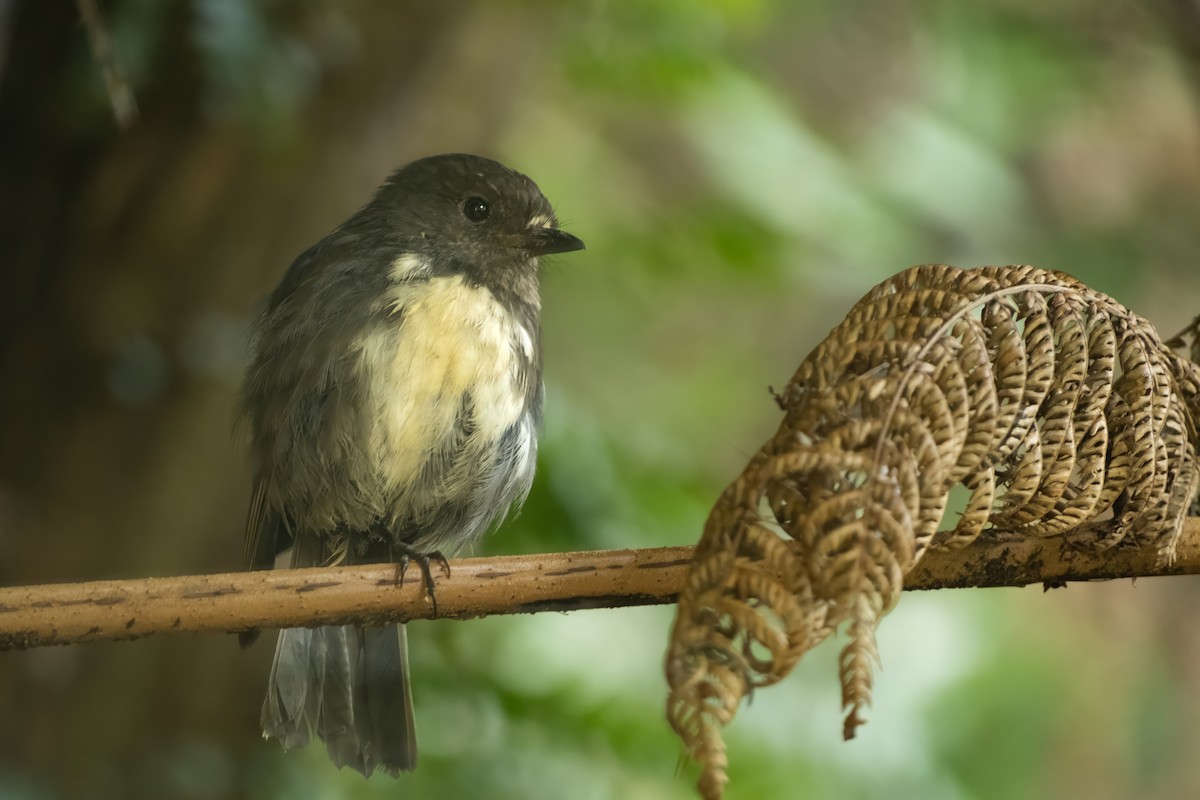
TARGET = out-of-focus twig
x,y
116,81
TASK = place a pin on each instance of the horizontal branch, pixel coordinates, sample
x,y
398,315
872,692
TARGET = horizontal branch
x,y
32,616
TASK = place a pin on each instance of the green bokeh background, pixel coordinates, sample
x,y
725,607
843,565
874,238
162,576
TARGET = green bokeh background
x,y
742,171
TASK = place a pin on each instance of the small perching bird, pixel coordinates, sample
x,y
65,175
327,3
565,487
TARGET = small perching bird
x,y
393,399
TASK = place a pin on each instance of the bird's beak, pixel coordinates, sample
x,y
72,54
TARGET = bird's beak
x,y
544,241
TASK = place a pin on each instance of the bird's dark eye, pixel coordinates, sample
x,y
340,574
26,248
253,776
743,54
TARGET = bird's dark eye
x,y
476,209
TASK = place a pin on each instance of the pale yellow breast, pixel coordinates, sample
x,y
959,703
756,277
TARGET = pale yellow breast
x,y
451,338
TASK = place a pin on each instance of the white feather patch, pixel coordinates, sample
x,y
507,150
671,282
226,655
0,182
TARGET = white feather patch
x,y
452,338
409,266
541,221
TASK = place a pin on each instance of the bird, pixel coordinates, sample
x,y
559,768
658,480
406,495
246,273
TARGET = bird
x,y
393,395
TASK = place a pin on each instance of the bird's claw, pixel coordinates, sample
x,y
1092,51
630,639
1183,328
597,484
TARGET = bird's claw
x,y
404,555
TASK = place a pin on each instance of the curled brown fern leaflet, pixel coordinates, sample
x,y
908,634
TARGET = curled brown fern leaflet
x,y
1052,404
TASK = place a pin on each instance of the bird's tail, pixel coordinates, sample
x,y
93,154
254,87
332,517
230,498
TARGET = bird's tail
x,y
350,685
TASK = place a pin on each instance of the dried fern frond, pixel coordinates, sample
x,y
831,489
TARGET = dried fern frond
x,y
1050,402
1189,339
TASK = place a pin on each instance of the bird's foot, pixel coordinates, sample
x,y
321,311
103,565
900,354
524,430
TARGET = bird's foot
x,y
404,555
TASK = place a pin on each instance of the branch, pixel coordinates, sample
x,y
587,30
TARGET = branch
x,y
116,81
33,616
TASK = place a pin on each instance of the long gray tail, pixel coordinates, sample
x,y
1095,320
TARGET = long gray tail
x,y
350,685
